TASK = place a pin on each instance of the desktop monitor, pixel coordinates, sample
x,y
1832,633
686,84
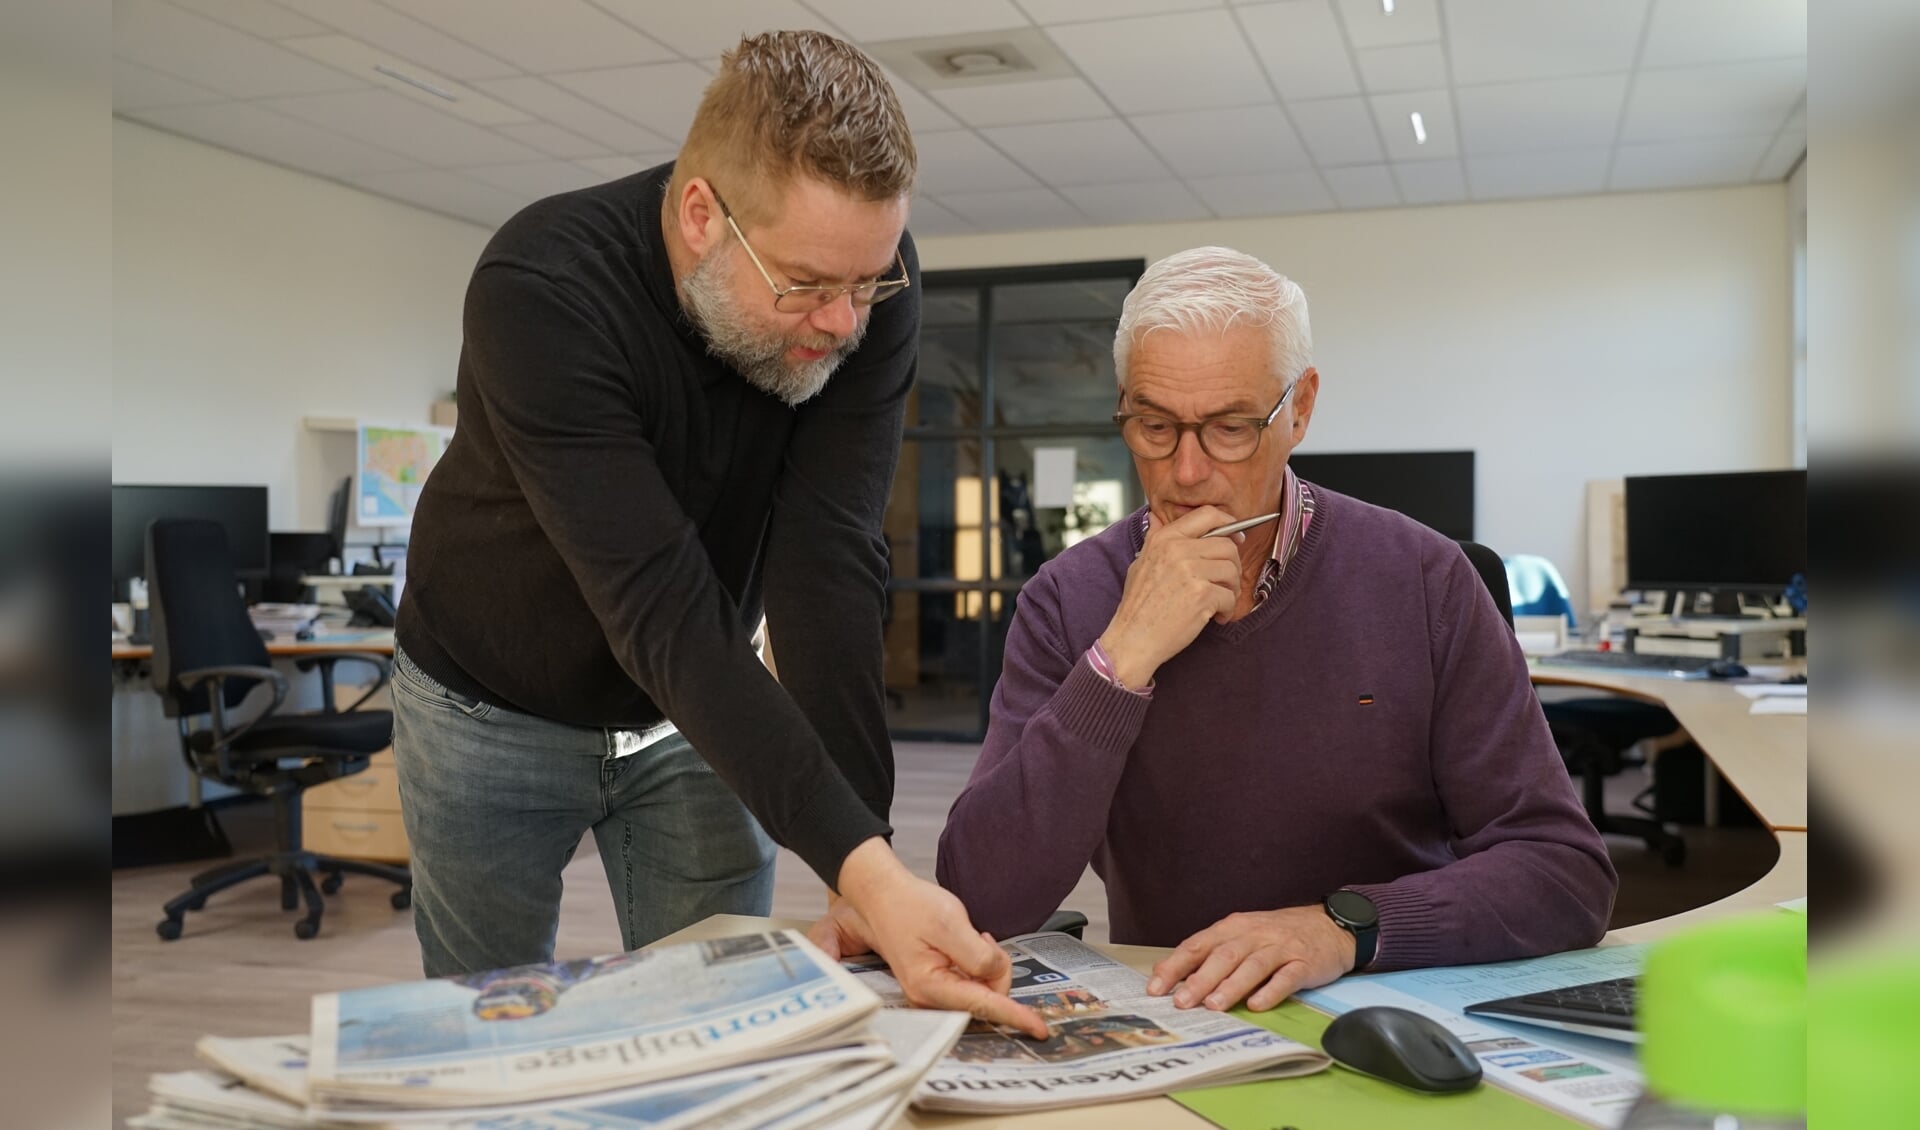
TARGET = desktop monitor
x,y
242,510
1434,488
1739,532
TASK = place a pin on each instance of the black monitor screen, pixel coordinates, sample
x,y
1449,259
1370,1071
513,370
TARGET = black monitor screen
x,y
1746,530
242,510
1434,488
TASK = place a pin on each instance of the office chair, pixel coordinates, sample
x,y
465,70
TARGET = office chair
x,y
207,657
1593,735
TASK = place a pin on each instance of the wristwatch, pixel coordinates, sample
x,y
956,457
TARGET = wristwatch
x,y
1355,913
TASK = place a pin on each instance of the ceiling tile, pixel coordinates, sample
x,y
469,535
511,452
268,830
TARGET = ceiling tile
x,y
1784,154
959,161
1338,131
1078,11
375,23
1369,24
1022,103
1263,194
1389,70
355,57
1155,64
922,114
255,17
1300,45
1209,143
1529,117
1061,153
660,96
179,43
552,140
535,179
1155,202
1727,100
1565,173
871,20
1724,31
1431,182
1014,210
930,217
1393,113
1363,186
380,117
705,29
571,35
1687,164
1514,40
543,99
247,128
612,168
138,88
448,193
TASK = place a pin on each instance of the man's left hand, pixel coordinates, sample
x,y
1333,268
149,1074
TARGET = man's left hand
x,y
1270,954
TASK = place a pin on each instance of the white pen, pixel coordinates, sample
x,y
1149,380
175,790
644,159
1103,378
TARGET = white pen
x,y
1242,524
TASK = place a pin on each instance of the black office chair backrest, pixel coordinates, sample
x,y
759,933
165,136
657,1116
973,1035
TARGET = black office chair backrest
x,y
1493,572
199,618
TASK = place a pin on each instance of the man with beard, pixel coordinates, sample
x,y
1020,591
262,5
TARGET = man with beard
x,y
681,398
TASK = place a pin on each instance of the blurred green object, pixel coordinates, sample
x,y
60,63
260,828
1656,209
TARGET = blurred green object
x,y
1723,1012
1863,1043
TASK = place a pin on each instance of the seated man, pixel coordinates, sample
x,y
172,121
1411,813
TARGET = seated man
x,y
1294,752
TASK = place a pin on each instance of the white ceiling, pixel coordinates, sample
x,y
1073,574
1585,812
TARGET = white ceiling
x,y
1176,110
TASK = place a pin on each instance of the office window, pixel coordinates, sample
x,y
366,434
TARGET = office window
x,y
1010,456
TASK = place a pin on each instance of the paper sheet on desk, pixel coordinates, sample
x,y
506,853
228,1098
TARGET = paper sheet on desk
x,y
1587,1078
1772,690
1778,706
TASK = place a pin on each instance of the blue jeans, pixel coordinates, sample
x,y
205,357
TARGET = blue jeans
x,y
496,801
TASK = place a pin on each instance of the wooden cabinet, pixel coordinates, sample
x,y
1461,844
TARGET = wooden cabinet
x,y
357,817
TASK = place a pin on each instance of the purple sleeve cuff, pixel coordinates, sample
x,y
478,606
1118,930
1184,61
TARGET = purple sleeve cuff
x,y
1409,927
1104,715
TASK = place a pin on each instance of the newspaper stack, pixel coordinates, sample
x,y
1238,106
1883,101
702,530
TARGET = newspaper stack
x,y
759,1031
1107,1039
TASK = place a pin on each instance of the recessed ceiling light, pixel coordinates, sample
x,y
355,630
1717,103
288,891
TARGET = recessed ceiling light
x,y
1387,6
1419,129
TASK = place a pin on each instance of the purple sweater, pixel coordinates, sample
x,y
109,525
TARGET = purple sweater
x,y
1259,776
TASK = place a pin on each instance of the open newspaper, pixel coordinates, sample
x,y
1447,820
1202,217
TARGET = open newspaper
x,y
569,1029
796,1093
1108,1040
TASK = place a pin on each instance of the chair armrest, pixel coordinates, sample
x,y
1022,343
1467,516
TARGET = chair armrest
x,y
1069,922
326,660
224,738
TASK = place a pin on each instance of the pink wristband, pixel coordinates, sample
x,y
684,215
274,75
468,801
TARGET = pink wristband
x,y
1103,666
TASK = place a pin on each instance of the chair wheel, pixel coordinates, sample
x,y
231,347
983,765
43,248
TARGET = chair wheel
x,y
401,900
330,884
306,928
168,929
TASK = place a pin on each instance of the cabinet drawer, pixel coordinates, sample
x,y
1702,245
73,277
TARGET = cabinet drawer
x,y
356,834
377,787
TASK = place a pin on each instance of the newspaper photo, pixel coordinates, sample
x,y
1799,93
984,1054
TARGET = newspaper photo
x,y
1107,1039
568,1029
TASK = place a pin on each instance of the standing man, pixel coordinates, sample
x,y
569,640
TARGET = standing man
x,y
681,402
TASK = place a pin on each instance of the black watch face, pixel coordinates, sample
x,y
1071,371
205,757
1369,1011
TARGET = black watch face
x,y
1354,909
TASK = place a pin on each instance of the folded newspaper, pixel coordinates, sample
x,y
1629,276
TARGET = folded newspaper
x,y
1108,1040
573,1028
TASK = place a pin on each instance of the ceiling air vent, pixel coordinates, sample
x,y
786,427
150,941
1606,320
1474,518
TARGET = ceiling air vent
x,y
977,59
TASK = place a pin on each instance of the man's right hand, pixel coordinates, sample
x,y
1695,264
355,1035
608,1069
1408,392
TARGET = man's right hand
x,y
1179,582
923,932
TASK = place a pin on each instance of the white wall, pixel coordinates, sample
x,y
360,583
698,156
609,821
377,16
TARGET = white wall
x,y
1563,340
247,296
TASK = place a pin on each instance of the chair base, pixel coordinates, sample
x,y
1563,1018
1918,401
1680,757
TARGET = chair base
x,y
296,871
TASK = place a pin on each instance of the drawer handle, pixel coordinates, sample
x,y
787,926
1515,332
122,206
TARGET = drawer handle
x,y
369,828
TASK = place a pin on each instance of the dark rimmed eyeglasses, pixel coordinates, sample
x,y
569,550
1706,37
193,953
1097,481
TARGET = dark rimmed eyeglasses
x,y
1225,439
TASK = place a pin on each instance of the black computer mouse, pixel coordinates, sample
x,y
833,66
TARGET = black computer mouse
x,y
1725,669
1401,1047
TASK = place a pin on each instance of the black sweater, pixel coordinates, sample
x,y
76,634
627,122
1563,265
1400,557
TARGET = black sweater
x,y
616,507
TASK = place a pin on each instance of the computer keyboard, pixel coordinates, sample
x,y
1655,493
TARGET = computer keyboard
x,y
1601,1008
1630,661
1615,997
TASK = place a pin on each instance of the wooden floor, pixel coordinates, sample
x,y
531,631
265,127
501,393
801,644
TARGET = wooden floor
x,y
239,971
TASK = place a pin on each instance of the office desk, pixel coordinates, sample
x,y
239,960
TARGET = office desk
x,y
1763,756
1787,880
377,640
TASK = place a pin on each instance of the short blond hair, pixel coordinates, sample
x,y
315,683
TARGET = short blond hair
x,y
793,103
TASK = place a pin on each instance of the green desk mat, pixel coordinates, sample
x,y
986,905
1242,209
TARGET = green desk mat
x,y
1338,1099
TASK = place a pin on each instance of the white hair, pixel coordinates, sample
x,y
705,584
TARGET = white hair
x,y
1211,290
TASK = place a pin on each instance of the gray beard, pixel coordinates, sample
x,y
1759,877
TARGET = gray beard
x,y
759,356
